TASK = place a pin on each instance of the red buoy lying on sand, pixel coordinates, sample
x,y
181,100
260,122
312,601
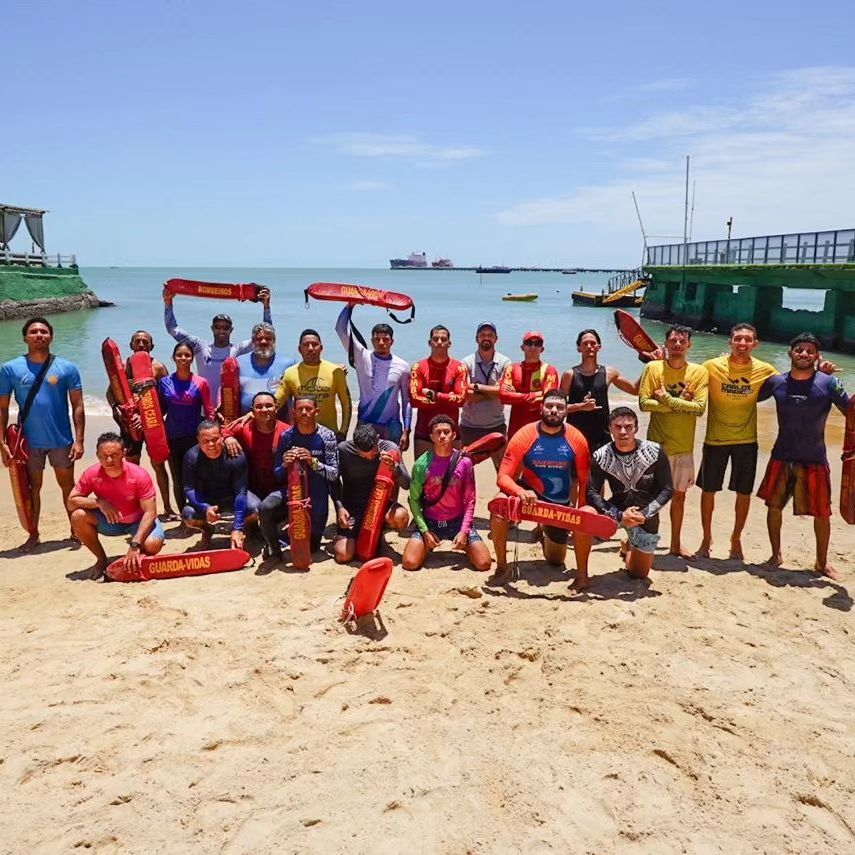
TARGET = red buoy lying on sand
x,y
183,564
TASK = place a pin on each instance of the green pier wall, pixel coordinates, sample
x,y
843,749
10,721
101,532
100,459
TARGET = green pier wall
x,y
30,290
720,296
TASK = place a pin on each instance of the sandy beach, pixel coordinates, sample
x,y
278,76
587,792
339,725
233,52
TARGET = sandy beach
x,y
709,710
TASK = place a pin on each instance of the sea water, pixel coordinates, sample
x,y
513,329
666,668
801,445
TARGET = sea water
x,y
459,300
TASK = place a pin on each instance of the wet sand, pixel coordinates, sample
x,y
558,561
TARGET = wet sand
x,y
707,711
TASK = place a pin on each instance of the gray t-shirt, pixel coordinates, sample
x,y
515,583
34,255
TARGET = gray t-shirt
x,y
486,413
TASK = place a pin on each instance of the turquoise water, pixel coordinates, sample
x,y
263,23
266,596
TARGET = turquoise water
x,y
459,300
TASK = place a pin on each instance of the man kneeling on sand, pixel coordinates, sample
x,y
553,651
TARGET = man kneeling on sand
x,y
115,497
442,500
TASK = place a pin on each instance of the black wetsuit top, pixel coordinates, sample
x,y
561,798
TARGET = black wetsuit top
x,y
594,424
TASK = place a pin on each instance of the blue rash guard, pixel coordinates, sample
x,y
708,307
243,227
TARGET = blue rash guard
x,y
222,482
803,407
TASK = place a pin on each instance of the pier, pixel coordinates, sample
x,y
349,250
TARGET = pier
x,y
716,284
568,270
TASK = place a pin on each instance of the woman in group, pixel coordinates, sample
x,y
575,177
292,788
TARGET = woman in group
x,y
185,399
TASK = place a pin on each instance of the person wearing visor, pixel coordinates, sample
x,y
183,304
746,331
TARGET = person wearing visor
x,y
210,356
525,383
483,412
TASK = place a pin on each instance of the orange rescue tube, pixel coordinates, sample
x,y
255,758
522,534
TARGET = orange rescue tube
x,y
20,478
120,387
299,516
214,290
375,512
584,519
148,404
366,589
230,390
183,564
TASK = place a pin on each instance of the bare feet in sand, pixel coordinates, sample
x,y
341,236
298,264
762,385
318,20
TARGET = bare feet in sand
x,y
98,571
30,543
828,571
703,551
736,549
774,560
680,551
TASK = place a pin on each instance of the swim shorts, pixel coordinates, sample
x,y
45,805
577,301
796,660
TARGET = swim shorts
x,y
743,467
809,485
129,529
446,530
58,458
682,471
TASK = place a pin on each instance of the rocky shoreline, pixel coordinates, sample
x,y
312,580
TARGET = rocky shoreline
x,y
11,309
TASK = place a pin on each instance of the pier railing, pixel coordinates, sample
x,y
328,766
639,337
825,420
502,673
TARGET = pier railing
x,y
37,259
836,247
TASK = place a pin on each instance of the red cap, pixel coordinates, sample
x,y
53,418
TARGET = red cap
x,y
533,334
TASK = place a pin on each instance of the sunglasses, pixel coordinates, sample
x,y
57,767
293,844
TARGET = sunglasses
x,y
533,342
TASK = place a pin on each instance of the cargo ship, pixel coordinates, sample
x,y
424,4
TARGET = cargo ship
x,y
442,264
415,260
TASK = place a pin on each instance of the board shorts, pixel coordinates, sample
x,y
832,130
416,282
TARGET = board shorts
x,y
58,458
109,529
468,435
352,533
743,467
682,471
446,530
645,537
808,484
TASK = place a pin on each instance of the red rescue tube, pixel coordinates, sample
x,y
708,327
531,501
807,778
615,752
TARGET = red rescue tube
x,y
364,295
148,405
183,564
20,478
366,589
847,472
230,390
375,512
584,519
214,290
299,516
485,447
120,387
632,333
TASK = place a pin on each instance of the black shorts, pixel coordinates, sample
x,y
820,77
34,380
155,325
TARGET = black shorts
x,y
743,467
351,533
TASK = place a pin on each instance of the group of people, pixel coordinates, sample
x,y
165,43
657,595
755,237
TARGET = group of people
x,y
564,444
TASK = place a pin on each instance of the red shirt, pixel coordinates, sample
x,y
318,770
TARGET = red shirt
x,y
259,448
124,493
447,380
523,386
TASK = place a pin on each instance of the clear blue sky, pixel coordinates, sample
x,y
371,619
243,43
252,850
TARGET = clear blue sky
x,y
337,133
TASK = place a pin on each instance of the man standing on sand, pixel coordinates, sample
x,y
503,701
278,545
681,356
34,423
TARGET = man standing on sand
x,y
483,412
47,428
115,497
639,479
438,386
798,467
524,384
322,380
384,380
674,392
143,341
260,370
545,461
586,388
210,356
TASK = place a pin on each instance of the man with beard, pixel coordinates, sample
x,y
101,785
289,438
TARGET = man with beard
x,y
257,438
384,391
322,380
438,386
483,412
210,356
358,461
639,478
47,428
545,461
798,467
316,446
586,387
262,369
115,497
525,383
143,341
